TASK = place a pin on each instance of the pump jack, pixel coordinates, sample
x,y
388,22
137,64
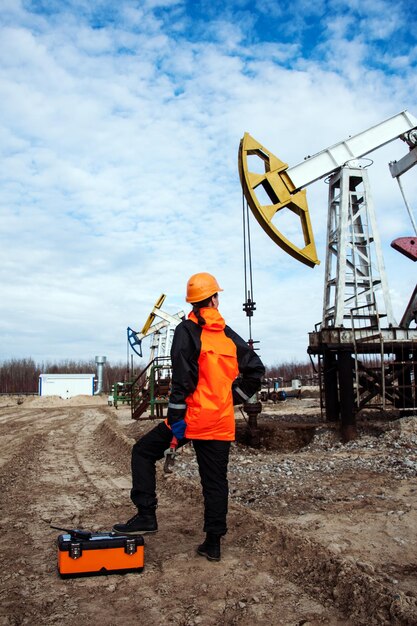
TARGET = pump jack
x,y
150,389
351,329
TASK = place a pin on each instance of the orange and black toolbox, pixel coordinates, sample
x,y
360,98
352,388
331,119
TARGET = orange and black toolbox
x,y
83,553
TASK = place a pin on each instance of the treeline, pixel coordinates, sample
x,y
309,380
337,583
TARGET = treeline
x,y
288,371
22,375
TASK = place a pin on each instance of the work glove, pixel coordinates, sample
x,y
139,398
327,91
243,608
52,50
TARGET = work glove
x,y
178,429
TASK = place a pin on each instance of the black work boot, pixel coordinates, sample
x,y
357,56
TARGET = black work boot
x,y
211,547
141,523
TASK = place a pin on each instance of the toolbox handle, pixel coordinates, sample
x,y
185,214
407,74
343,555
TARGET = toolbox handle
x,y
75,533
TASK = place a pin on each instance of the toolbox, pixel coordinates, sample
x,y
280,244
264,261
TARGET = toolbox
x,y
82,553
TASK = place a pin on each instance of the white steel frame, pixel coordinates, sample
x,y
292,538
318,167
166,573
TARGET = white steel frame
x,y
354,269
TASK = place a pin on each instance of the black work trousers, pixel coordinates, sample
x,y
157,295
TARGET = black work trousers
x,y
212,458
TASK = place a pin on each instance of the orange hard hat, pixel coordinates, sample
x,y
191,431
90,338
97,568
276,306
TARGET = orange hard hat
x,y
201,286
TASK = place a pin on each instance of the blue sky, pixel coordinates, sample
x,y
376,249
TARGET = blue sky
x,y
120,125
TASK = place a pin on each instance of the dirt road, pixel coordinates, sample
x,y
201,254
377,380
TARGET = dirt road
x,y
320,532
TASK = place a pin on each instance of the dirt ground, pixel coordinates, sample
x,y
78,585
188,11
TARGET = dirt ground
x,y
320,532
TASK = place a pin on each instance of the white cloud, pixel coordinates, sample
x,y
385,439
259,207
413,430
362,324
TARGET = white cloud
x,y
119,168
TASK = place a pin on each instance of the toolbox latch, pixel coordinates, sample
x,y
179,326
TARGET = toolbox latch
x,y
75,550
130,546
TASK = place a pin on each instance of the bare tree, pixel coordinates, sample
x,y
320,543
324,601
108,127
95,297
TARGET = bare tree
x,y
288,371
22,375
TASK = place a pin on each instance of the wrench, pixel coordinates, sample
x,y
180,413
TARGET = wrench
x,y
170,455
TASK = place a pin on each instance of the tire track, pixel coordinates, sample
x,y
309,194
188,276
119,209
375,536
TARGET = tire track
x,y
72,467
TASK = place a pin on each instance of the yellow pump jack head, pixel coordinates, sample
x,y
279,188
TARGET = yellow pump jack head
x,y
281,191
151,316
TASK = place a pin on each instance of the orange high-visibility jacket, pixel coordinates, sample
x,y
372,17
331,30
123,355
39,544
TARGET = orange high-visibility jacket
x,y
212,369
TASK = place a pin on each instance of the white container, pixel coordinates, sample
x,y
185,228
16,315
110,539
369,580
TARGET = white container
x,y
296,383
66,385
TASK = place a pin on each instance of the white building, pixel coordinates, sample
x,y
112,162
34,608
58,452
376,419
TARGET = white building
x,y
66,385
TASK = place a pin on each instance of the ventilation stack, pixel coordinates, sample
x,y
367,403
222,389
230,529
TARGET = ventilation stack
x,y
100,361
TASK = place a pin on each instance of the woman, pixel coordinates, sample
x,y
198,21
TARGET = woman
x,y
212,369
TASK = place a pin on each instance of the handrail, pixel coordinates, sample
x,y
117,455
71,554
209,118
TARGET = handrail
x,y
150,365
143,394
